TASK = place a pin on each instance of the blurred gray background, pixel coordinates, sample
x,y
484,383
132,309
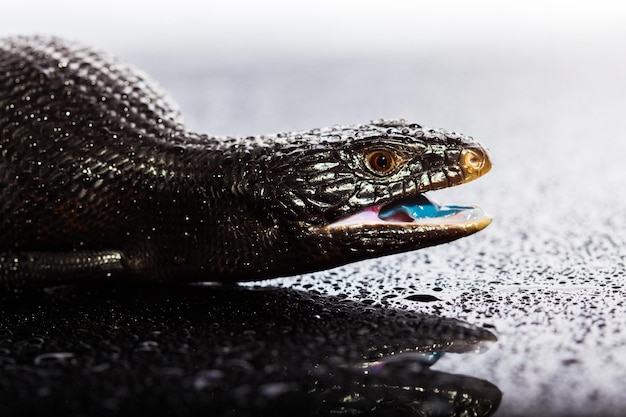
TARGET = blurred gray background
x,y
449,63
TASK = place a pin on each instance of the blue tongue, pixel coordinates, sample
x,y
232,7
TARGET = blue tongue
x,y
418,207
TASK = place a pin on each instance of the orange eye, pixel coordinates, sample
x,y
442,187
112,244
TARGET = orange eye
x,y
381,161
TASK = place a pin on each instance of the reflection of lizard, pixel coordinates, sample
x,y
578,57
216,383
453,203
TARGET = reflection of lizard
x,y
233,350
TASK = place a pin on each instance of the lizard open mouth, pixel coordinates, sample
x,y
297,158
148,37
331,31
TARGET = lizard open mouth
x,y
418,210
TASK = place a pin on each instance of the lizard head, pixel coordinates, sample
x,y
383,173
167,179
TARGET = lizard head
x,y
343,194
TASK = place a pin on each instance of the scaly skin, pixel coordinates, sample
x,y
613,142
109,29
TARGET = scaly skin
x,y
100,178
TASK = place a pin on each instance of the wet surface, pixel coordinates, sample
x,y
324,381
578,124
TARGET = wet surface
x,y
546,279
230,351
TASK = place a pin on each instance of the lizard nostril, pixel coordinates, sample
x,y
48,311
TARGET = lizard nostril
x,y
474,163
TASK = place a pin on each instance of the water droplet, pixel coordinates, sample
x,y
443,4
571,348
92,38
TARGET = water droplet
x,y
54,358
274,390
423,298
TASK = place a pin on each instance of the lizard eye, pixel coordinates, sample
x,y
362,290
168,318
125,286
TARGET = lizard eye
x,y
381,161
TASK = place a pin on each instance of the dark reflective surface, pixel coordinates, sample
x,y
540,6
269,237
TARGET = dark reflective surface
x,y
229,351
